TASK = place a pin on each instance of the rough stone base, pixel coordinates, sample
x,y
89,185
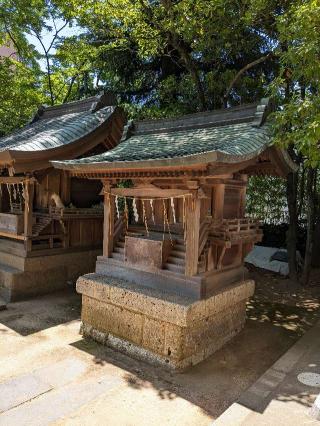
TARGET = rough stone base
x,y
25,277
158,327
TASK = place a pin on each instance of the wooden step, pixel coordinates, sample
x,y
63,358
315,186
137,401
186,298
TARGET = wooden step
x,y
179,247
177,253
120,244
118,250
40,226
179,241
118,256
174,268
176,260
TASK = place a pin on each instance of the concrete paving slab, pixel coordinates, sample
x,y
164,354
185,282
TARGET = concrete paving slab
x,y
24,388
60,373
41,337
315,410
21,389
58,403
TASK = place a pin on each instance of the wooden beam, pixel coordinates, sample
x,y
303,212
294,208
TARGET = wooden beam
x,y
15,179
12,236
192,231
149,192
108,224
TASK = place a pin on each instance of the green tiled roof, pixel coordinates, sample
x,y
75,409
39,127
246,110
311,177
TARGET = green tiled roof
x,y
228,135
55,131
236,140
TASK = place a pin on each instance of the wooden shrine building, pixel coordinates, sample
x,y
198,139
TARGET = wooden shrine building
x,y
50,223
171,285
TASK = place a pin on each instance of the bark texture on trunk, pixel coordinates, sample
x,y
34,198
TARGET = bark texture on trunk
x,y
292,181
311,204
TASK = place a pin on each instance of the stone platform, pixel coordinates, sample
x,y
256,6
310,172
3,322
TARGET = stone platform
x,y
159,327
22,277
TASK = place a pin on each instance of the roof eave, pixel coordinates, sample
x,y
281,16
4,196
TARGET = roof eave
x,y
191,160
201,159
281,161
28,161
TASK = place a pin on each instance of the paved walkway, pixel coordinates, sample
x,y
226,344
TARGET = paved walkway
x,y
49,375
285,393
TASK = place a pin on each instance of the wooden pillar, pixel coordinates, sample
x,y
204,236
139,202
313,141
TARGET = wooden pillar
x,y
108,224
192,230
28,208
242,206
218,201
65,183
28,213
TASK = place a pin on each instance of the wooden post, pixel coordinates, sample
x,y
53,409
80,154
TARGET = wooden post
x,y
218,201
108,224
28,213
242,203
65,187
192,230
242,206
28,208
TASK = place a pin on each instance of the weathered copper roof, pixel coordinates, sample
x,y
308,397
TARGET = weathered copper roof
x,y
63,132
231,135
53,127
234,141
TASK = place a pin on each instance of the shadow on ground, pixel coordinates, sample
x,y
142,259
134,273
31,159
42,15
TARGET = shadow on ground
x,y
219,381
277,317
40,313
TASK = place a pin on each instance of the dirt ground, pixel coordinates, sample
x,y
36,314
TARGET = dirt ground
x,y
79,382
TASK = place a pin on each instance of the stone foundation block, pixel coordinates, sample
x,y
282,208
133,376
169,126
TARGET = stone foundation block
x,y
33,276
159,327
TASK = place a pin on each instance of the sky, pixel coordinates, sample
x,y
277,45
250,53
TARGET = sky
x,y
47,38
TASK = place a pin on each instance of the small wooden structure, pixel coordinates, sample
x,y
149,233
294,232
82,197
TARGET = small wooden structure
x,y
46,212
180,229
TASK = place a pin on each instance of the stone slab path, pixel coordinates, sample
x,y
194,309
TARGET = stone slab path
x,y
286,393
50,375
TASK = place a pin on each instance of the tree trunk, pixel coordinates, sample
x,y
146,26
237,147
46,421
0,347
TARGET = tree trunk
x,y
293,224
191,67
182,47
310,189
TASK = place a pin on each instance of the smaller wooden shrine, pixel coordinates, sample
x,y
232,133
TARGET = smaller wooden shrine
x,y
171,285
51,224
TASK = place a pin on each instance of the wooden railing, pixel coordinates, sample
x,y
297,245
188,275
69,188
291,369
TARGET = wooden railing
x,y
204,233
236,229
73,212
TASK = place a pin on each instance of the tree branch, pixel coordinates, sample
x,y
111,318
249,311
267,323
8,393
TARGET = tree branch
x,y
243,70
175,40
46,53
13,40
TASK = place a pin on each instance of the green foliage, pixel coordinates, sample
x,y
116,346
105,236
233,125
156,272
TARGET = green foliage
x,y
19,95
167,57
298,122
266,199
173,56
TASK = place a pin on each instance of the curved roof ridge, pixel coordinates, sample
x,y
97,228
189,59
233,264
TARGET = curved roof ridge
x,y
254,113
